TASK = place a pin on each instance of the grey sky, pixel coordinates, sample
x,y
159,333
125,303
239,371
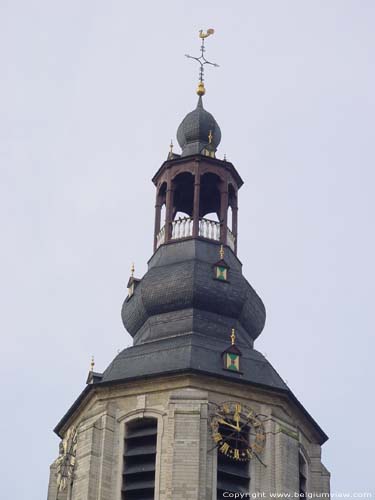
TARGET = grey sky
x,y
90,95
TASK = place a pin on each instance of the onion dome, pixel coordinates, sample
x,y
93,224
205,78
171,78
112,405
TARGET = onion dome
x,y
199,132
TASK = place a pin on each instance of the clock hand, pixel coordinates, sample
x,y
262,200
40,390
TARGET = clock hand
x,y
222,421
236,418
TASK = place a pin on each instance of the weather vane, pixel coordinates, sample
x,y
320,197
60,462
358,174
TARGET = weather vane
x,y
202,60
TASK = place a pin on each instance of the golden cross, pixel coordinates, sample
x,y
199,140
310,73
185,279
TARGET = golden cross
x,y
233,336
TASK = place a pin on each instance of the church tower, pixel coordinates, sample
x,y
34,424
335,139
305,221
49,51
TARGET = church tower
x,y
192,411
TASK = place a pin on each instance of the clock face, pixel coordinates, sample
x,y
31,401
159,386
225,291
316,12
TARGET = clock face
x,y
237,431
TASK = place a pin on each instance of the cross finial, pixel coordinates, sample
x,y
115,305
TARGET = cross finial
x,y
221,252
132,269
233,336
202,60
92,364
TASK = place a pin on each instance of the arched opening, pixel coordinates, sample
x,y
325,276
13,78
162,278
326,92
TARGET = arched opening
x,y
209,200
209,207
183,197
183,206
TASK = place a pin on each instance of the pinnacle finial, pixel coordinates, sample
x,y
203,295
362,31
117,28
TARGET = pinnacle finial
x,y
170,154
221,252
132,269
233,336
202,60
92,364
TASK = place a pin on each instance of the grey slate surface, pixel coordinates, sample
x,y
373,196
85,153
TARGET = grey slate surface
x,y
193,132
190,352
179,294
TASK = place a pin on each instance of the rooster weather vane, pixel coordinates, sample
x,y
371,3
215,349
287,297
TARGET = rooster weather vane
x,y
202,60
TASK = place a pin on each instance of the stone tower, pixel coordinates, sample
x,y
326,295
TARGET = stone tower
x,y
191,411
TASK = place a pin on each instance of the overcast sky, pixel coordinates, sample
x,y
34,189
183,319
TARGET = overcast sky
x,y
91,93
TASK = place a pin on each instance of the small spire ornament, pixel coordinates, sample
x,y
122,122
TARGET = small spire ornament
x,y
92,364
210,136
132,269
221,252
233,336
170,155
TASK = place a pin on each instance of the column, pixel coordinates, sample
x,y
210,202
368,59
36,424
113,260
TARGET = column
x,y
234,224
197,193
157,220
169,211
223,213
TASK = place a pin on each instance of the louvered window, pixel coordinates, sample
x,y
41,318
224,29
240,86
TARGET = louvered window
x,y
139,459
233,476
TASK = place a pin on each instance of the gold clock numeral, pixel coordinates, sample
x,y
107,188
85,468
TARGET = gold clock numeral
x,y
217,437
224,448
236,454
250,414
249,453
238,408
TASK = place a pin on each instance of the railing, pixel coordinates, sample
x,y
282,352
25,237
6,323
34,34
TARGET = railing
x,y
183,228
209,229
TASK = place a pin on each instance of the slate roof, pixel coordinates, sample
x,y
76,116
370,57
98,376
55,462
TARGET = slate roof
x,y
190,352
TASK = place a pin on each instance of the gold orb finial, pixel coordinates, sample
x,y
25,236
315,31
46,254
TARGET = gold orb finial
x,y
233,336
92,364
201,90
